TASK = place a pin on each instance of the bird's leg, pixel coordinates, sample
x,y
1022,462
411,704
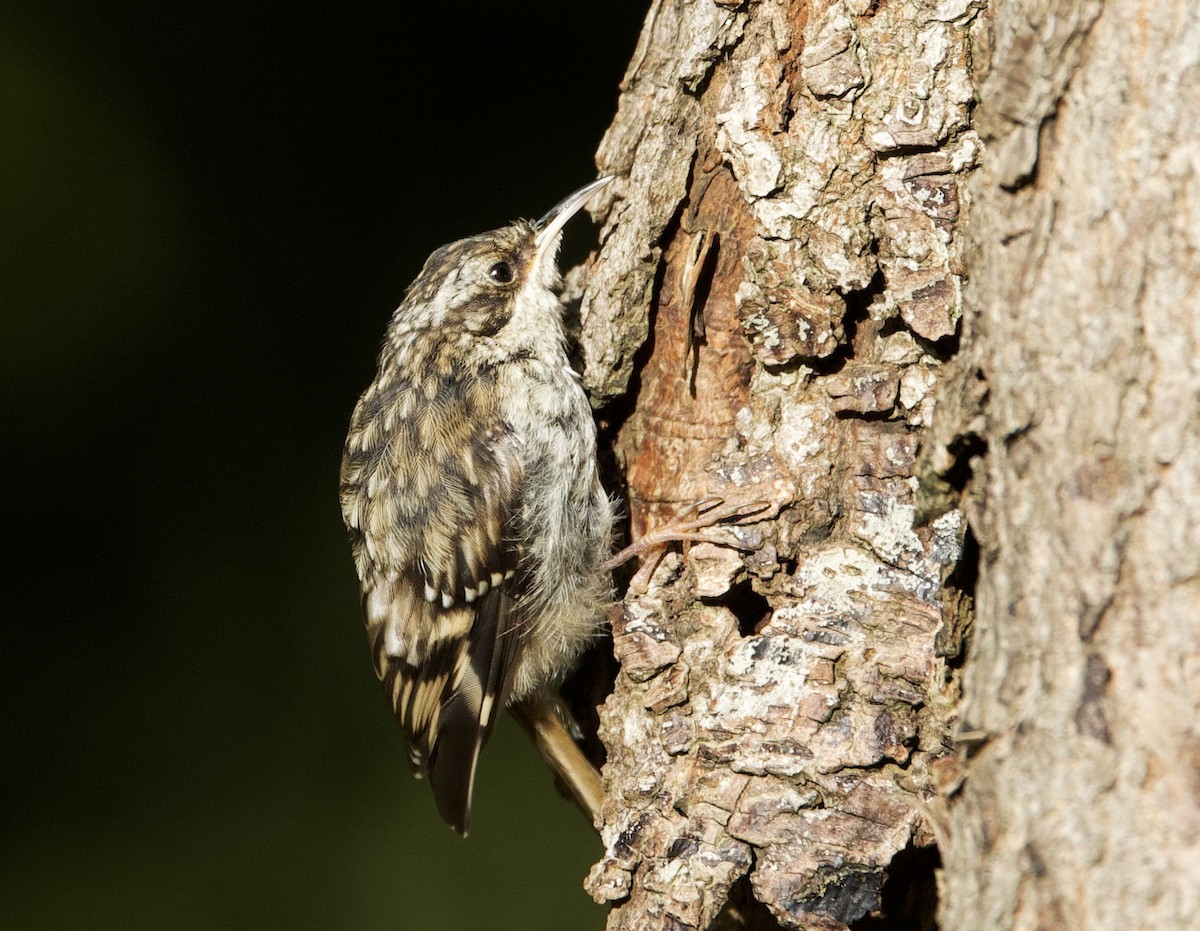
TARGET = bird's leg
x,y
708,514
549,723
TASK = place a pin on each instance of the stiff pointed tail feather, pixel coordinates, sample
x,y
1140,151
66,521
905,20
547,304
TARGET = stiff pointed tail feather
x,y
448,705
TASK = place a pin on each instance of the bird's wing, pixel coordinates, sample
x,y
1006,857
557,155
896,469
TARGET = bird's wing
x,y
440,586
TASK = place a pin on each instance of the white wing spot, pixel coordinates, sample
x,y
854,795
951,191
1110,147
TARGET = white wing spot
x,y
394,643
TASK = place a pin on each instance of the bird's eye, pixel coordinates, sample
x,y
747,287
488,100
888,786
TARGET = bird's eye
x,y
501,272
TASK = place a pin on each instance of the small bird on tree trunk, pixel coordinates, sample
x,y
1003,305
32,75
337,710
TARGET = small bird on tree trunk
x,y
480,530
469,487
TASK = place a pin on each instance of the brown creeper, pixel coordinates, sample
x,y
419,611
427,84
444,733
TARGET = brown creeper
x,y
470,491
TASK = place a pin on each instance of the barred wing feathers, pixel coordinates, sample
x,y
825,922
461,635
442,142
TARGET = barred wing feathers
x,y
437,554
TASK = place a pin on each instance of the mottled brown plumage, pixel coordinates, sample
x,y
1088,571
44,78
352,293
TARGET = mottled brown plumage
x,y
469,488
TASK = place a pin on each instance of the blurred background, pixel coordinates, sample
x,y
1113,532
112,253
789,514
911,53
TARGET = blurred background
x,y
207,214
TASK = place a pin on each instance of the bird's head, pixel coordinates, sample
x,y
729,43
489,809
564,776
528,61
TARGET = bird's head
x,y
506,278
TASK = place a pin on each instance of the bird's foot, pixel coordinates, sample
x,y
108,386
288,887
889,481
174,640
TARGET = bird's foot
x,y
708,515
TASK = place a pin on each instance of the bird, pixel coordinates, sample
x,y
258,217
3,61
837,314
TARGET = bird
x,y
469,488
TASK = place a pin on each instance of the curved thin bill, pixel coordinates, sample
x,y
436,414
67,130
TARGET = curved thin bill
x,y
552,223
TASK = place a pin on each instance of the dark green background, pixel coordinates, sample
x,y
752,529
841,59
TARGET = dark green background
x,y
207,214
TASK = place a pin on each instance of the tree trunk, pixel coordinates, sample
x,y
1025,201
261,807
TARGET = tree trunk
x,y
780,311
1081,806
771,310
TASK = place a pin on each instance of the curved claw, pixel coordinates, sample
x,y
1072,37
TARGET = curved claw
x,y
709,513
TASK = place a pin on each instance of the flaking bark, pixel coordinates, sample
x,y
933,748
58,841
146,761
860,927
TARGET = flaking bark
x,y
781,309
777,292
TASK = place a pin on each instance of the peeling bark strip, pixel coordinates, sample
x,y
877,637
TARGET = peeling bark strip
x,y
780,271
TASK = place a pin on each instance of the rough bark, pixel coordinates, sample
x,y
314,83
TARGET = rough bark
x,y
1081,803
776,295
